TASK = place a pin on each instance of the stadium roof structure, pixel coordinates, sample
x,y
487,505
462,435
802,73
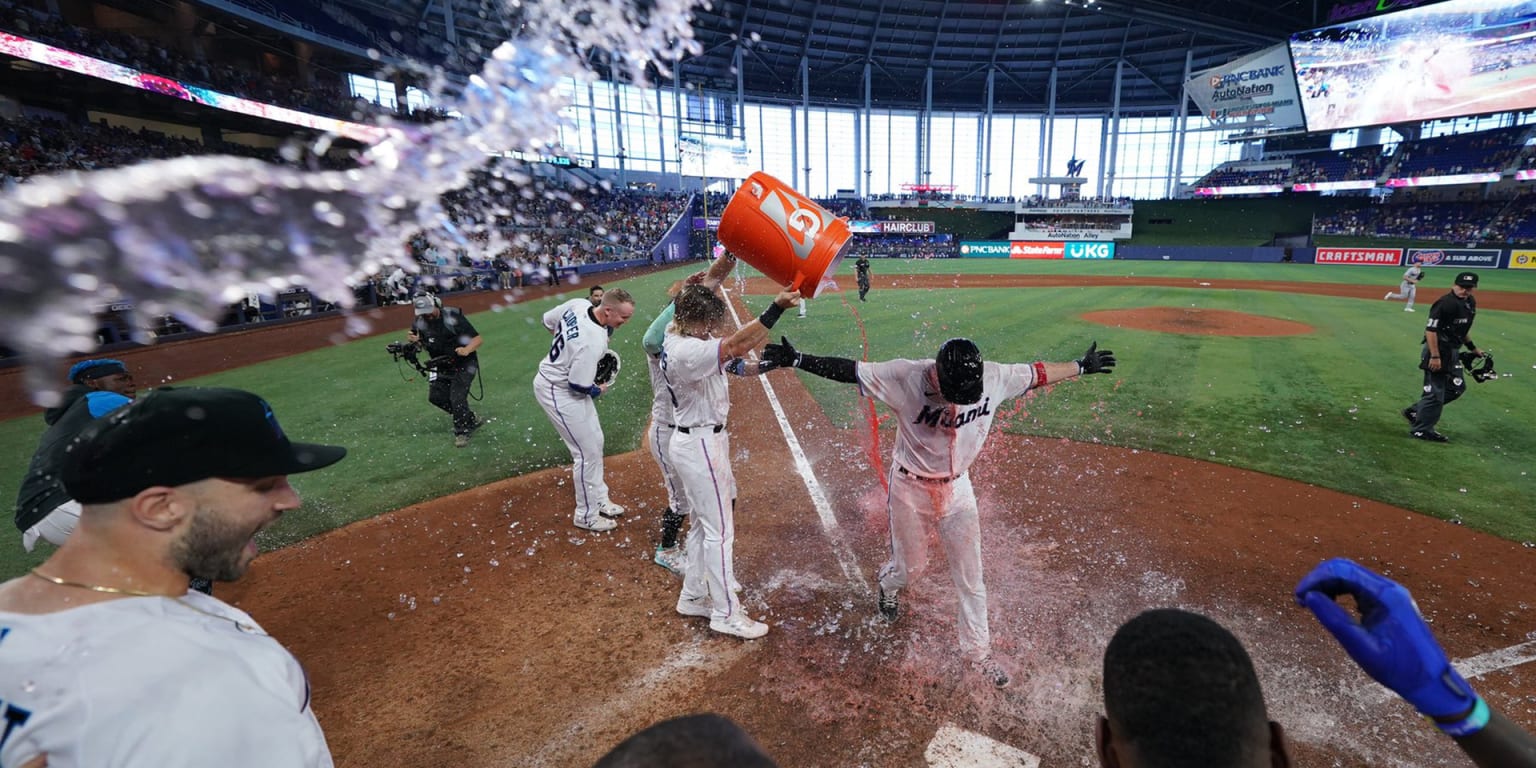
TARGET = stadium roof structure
x,y
782,44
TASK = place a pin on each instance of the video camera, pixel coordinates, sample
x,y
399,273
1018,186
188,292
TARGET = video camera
x,y
411,352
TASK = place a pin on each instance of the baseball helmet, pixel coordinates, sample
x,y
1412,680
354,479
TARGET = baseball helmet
x,y
958,365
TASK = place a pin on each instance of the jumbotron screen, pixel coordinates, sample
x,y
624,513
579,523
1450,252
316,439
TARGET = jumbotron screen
x,y
1459,57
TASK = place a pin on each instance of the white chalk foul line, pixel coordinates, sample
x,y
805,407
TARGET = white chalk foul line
x,y
1493,661
954,747
845,557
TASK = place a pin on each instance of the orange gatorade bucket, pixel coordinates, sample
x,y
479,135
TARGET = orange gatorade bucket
x,y
784,234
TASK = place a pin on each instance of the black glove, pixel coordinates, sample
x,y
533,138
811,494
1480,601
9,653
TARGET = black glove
x,y
607,368
781,355
1096,360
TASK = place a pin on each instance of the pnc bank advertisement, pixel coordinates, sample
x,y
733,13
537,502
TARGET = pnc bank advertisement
x,y
1036,249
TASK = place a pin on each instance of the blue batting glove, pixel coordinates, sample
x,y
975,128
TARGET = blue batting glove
x,y
1390,640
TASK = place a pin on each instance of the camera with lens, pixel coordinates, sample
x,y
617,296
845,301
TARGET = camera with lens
x,y
399,349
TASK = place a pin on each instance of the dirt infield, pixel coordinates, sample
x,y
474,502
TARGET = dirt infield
x,y
484,630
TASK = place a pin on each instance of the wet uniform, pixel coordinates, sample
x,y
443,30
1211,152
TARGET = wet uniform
x,y
929,481
564,388
701,453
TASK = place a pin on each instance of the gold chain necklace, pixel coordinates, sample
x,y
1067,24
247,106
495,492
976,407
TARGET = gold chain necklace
x,y
250,629
94,587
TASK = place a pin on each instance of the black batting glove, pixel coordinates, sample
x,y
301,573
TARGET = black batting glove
x,y
781,355
1096,360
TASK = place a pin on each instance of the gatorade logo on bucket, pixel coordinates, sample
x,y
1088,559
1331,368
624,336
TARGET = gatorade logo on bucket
x,y
801,224
785,235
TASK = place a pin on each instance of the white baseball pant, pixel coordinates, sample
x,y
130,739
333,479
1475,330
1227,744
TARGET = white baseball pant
x,y
913,504
661,451
575,418
703,464
1405,291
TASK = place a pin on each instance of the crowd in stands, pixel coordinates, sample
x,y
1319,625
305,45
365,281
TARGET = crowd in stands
x,y
324,94
1112,203
1230,176
36,146
1481,152
903,247
851,208
1359,163
1451,222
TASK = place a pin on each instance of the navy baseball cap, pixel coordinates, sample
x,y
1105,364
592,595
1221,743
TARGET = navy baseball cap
x,y
1467,279
85,370
179,435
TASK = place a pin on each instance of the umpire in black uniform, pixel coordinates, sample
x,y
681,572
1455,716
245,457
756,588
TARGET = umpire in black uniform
x,y
1449,328
451,340
861,273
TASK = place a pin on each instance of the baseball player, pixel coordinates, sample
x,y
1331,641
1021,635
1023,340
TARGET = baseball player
x,y
106,657
564,388
694,361
944,409
861,274
44,509
669,554
1409,288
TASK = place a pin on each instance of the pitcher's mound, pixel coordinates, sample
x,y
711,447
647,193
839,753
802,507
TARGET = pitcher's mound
x,y
1216,322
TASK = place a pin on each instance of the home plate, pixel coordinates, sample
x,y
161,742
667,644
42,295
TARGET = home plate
x,y
955,748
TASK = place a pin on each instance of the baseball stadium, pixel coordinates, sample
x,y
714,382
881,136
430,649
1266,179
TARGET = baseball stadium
x,y
1268,228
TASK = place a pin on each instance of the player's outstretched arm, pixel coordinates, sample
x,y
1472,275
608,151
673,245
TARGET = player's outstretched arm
x,y
749,336
784,354
1095,360
1392,643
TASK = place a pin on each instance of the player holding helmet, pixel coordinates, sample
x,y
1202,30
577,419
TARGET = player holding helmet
x,y
944,409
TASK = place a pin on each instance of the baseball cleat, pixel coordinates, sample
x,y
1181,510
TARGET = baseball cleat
x,y
992,671
1407,309
670,558
1431,435
598,524
610,509
1411,415
741,626
890,608
699,607
1388,296
460,441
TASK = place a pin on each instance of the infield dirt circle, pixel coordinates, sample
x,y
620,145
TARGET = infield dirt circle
x,y
484,630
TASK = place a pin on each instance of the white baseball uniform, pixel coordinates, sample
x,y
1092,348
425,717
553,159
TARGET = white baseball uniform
x,y
1409,287
701,453
936,442
572,360
661,412
189,681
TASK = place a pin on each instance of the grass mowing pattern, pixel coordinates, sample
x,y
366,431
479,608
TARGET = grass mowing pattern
x,y
1321,408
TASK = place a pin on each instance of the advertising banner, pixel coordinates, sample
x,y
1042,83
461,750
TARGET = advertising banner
x,y
1090,250
1246,189
1332,186
996,249
699,222
1522,259
1260,85
1374,256
863,227
1455,257
714,157
900,227
1020,249
1441,181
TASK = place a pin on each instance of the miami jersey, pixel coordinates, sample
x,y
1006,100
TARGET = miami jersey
x,y
575,350
692,368
935,438
157,681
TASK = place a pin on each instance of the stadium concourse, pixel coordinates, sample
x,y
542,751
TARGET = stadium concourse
x,y
477,629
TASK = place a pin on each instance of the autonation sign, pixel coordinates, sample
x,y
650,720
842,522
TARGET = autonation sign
x,y
1259,85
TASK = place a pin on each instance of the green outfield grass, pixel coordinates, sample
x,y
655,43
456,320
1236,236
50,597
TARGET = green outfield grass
x,y
1321,408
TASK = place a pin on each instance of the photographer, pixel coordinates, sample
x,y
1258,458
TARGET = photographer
x,y
450,340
